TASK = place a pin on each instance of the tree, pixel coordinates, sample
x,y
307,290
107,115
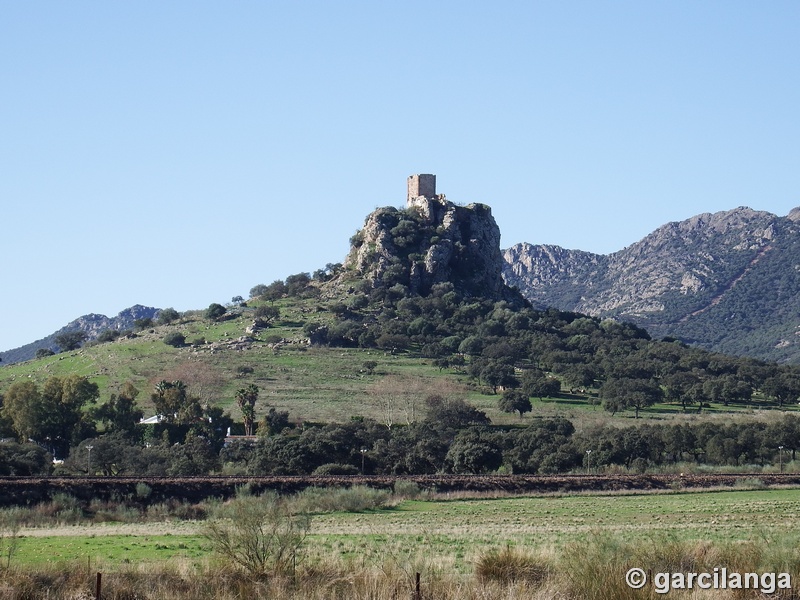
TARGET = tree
x,y
215,311
297,285
453,412
267,313
70,340
259,535
167,316
515,401
24,459
684,387
258,290
54,415
624,393
44,352
120,413
173,401
498,374
474,451
107,335
535,383
142,324
274,291
784,386
400,397
246,399
274,422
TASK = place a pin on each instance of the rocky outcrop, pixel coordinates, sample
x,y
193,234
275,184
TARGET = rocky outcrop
x,y
432,241
92,324
696,279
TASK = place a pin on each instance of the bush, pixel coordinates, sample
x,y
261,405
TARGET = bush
x,y
167,316
175,339
259,535
406,489
43,352
107,335
142,324
215,311
358,498
335,469
143,491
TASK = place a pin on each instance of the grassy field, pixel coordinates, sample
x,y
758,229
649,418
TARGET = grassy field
x,y
455,532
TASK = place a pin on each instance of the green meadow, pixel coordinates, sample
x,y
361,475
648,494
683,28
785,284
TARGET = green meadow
x,y
453,532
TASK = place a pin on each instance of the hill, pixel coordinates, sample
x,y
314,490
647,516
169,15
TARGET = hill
x,y
92,325
726,281
385,361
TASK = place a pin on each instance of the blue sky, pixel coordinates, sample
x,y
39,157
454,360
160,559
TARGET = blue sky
x,y
178,153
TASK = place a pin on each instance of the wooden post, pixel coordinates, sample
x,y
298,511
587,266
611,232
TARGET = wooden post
x,y
417,592
97,586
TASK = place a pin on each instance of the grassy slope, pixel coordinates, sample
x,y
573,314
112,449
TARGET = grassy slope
x,y
312,383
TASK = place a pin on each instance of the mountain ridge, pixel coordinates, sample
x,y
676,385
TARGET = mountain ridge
x,y
92,324
705,280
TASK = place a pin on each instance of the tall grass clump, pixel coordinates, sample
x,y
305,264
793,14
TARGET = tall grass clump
x,y
511,565
594,569
358,498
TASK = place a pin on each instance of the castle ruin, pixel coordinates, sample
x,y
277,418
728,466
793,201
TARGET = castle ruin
x,y
421,185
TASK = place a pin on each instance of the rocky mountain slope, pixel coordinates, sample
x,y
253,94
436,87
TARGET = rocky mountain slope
x,y
92,324
431,241
727,281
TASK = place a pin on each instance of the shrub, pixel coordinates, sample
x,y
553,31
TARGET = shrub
x,y
335,469
175,339
141,324
259,535
369,366
143,490
167,316
358,498
215,311
108,335
404,488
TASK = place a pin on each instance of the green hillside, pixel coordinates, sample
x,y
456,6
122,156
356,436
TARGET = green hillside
x,y
360,361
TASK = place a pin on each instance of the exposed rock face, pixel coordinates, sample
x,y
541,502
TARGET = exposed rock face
x,y
714,279
431,241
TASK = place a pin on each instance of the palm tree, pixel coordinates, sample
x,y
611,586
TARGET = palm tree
x,y
246,400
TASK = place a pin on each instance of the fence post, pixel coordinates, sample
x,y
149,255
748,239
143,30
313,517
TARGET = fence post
x,y
97,586
417,592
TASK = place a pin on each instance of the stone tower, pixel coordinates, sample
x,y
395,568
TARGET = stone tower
x,y
421,185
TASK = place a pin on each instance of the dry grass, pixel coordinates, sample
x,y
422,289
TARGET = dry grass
x,y
593,569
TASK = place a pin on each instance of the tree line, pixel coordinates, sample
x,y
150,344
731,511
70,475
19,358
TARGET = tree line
x,y
448,436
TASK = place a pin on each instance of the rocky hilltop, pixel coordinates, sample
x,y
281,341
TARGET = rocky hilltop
x,y
92,324
727,281
429,242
